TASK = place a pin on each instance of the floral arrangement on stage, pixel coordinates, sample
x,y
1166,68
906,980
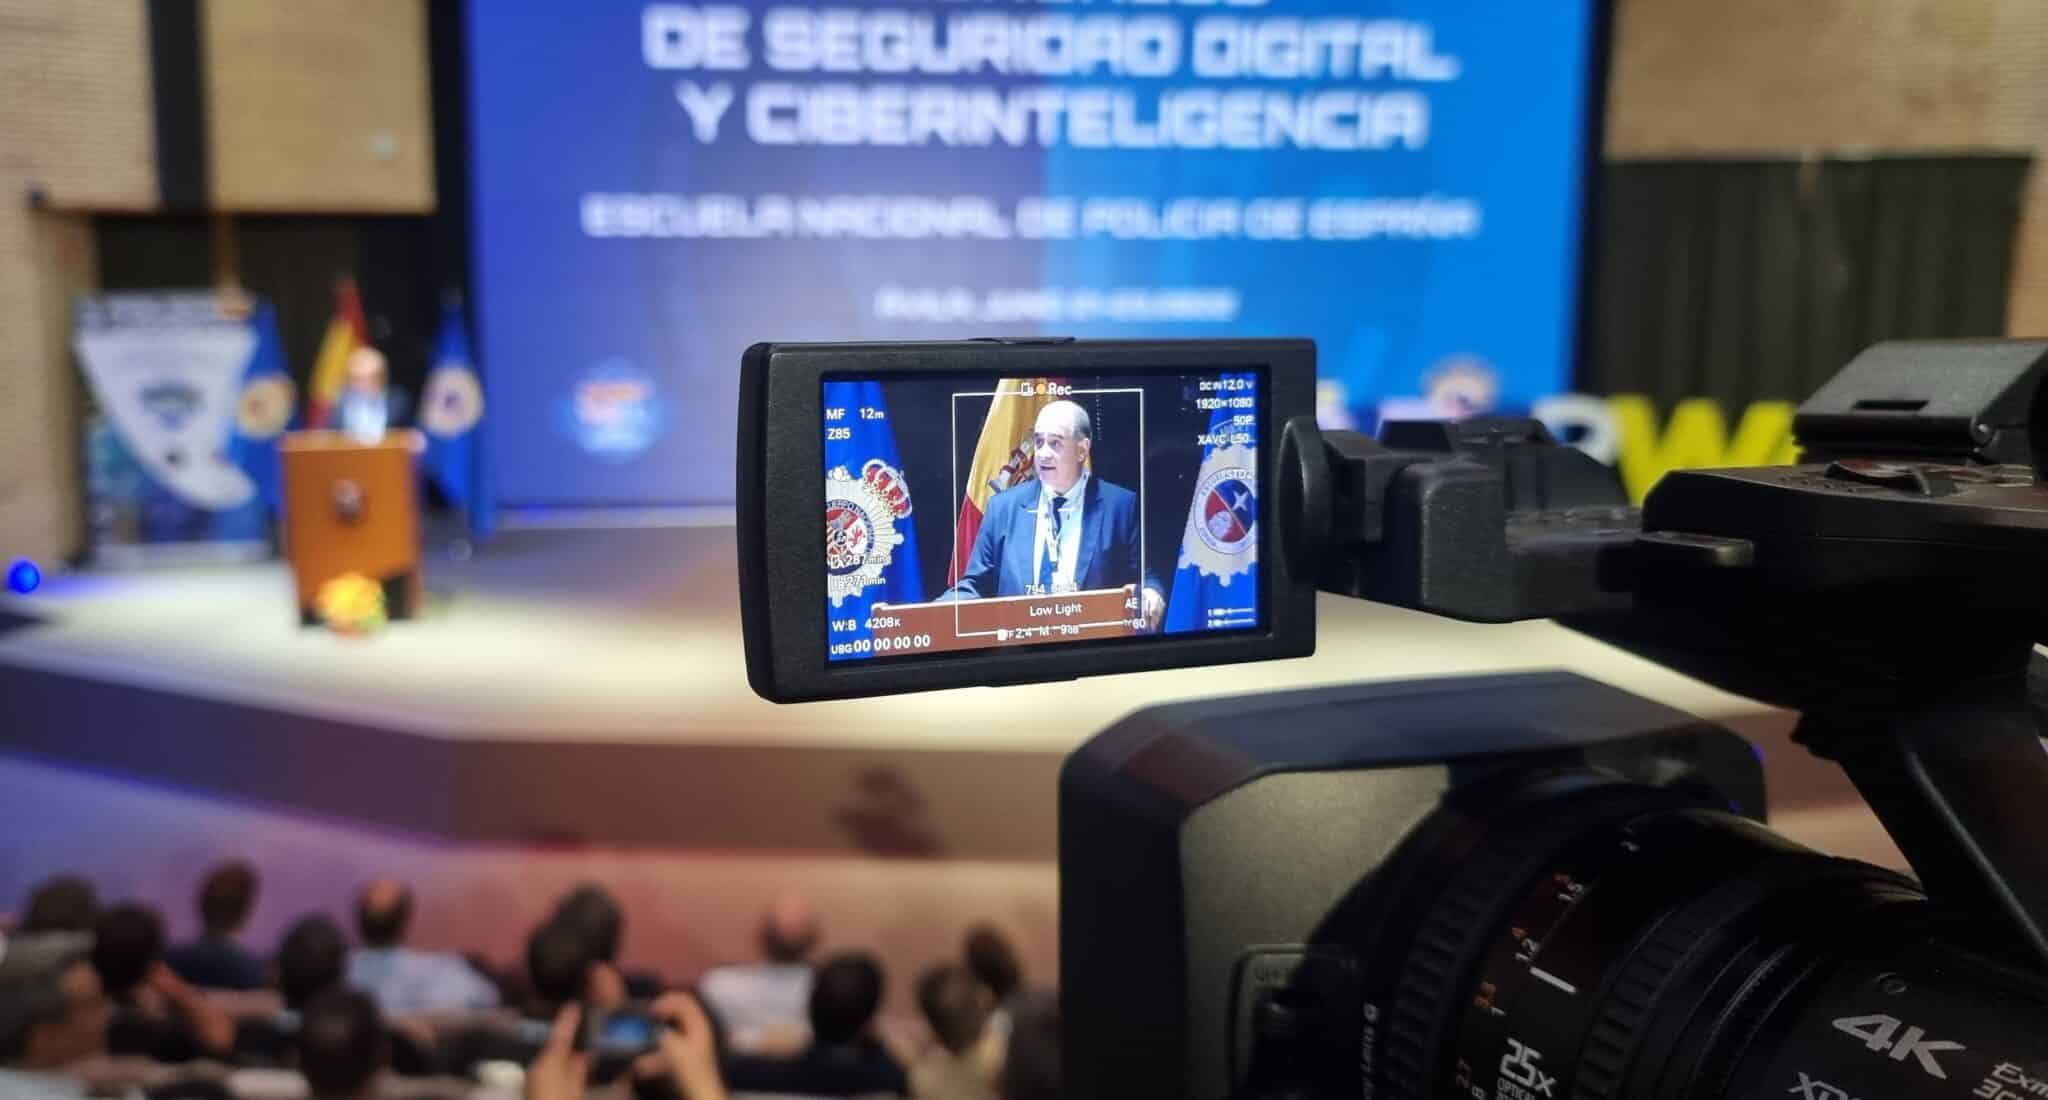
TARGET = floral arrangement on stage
x,y
351,604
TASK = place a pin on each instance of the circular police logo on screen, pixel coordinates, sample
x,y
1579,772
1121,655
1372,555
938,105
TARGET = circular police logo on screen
x,y
860,526
614,410
266,406
1229,508
454,401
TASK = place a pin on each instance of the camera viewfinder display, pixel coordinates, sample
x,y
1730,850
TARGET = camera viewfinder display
x,y
965,512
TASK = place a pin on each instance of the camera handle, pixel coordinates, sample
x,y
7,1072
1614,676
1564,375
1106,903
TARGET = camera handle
x,y
1958,779
1929,714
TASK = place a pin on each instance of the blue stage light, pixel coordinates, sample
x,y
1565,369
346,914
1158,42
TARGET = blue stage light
x,y
23,577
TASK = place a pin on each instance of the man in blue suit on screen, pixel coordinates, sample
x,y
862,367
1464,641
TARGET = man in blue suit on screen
x,y
1062,531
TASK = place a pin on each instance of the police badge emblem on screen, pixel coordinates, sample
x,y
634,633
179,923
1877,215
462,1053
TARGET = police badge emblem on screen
x,y
1028,497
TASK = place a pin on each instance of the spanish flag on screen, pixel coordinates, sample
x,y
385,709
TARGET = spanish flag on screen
x,y
1002,458
345,333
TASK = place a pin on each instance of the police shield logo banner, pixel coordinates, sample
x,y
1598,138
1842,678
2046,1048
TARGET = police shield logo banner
x,y
167,370
870,543
1216,586
189,398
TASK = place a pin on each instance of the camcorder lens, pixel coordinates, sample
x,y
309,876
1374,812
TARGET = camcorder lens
x,y
1581,939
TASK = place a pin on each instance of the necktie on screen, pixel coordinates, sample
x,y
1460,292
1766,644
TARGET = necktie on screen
x,y
1051,559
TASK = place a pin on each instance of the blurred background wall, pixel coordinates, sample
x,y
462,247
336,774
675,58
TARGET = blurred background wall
x,y
1782,184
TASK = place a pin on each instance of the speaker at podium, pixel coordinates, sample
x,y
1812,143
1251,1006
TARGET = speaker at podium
x,y
352,507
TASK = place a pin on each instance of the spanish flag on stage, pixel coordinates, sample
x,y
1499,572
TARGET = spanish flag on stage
x,y
1002,458
345,333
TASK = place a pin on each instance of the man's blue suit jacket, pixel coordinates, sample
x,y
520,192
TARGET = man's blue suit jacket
x,y
1002,563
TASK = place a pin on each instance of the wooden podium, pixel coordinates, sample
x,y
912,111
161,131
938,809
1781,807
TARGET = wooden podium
x,y
352,507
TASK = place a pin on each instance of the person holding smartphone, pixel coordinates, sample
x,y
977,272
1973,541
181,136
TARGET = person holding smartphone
x,y
685,1052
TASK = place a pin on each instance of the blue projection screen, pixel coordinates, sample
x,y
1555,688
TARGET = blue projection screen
x,y
657,186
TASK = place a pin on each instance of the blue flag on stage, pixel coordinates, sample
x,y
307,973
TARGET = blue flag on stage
x,y
450,411
870,540
1216,586
263,411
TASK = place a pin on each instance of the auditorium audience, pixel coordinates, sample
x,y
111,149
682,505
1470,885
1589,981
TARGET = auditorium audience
x,y
844,1058
216,960
765,1005
402,980
75,1010
156,1014
967,1056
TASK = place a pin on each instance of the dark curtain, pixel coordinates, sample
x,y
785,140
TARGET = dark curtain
x,y
1751,280
293,261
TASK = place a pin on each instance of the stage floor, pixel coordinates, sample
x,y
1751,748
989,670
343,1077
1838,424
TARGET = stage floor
x,y
634,635
599,675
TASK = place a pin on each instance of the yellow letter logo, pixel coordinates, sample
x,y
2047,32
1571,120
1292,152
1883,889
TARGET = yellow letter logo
x,y
1696,437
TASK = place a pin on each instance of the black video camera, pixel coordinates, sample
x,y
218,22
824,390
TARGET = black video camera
x,y
1521,887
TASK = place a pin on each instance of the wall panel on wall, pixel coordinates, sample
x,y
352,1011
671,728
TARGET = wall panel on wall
x,y
318,105
75,122
45,259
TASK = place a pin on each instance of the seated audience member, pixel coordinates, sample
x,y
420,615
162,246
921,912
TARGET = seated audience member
x,y
215,960
990,958
156,1015
53,1032
563,965
964,1062
592,909
595,913
53,1016
766,1005
25,957
844,1057
403,981
343,1047
1031,1067
65,903
311,959
562,970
